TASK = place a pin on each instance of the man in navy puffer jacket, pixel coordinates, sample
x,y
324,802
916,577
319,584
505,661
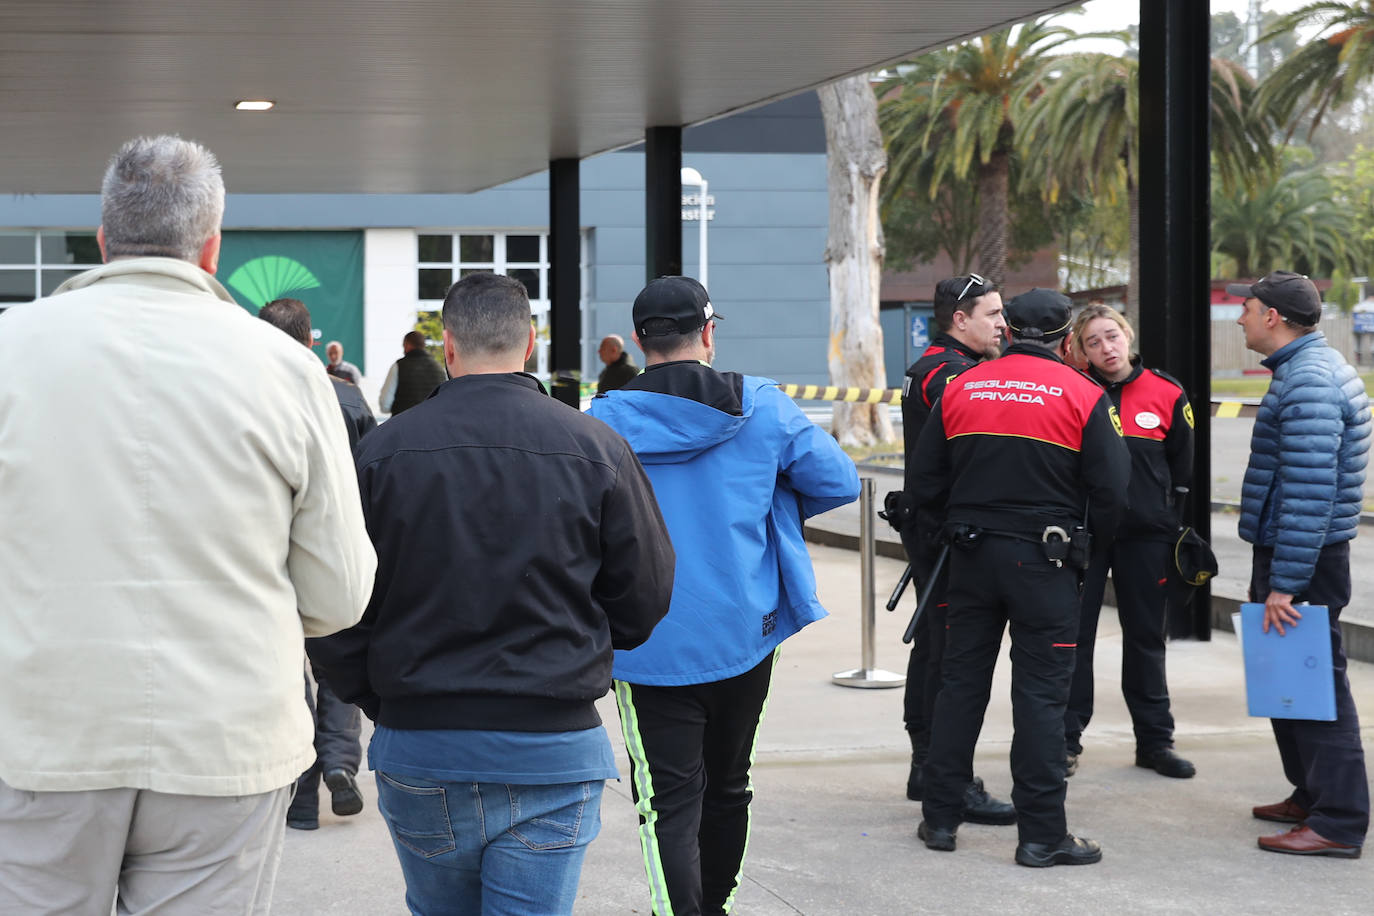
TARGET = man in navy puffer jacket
x,y
1300,507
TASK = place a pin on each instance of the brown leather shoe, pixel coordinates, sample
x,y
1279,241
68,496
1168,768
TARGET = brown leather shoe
x,y
1304,841
1285,812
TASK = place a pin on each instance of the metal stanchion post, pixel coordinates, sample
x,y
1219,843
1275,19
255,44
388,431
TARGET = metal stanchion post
x,y
867,676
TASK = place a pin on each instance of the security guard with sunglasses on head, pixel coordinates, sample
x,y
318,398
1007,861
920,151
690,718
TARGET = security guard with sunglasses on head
x,y
1027,458
968,314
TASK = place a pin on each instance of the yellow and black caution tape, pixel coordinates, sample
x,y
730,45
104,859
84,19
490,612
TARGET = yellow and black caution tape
x,y
834,393
1229,410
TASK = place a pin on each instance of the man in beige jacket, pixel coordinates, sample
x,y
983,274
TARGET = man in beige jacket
x,y
173,527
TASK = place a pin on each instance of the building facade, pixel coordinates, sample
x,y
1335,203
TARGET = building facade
x,y
368,265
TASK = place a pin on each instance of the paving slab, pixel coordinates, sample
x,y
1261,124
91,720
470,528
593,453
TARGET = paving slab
x,y
833,833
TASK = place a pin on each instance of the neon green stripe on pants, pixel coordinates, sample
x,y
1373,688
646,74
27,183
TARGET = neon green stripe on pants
x,y
753,750
644,796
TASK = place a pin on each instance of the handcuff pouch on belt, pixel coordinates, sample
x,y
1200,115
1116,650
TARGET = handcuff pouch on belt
x,y
1073,548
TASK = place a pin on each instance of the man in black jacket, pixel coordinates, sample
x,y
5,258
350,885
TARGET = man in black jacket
x,y
1015,451
620,369
338,727
968,314
519,543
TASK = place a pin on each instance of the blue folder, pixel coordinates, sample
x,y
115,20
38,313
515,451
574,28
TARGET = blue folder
x,y
1289,677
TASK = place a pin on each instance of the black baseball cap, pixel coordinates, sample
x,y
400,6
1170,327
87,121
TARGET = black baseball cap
x,y
1291,295
680,299
1039,314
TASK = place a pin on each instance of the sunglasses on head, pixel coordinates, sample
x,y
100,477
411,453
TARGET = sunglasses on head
x,y
973,280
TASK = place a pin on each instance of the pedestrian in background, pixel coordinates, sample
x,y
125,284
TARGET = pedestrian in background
x,y
338,725
412,378
619,367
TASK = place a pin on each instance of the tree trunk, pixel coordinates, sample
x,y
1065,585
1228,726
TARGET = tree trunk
x,y
1133,281
854,255
993,219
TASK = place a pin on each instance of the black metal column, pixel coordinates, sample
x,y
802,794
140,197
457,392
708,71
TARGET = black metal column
x,y
662,202
565,280
1174,233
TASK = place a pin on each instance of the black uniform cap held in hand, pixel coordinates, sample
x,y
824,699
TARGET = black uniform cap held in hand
x,y
679,299
1039,314
1291,295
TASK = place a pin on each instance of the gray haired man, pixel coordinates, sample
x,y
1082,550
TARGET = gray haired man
x,y
186,523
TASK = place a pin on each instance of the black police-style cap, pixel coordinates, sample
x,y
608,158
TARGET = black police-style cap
x,y
1039,314
679,299
1194,564
1291,295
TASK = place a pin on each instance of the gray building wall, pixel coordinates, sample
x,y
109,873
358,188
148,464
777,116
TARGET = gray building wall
x,y
766,170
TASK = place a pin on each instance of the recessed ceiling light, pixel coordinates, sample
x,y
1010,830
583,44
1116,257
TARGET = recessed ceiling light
x,y
254,104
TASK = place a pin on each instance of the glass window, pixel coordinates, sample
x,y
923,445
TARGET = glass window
x,y
69,248
434,282
475,270
477,248
18,285
523,248
16,248
52,279
529,277
436,249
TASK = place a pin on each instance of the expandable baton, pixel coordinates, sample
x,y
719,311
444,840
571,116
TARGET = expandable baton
x,y
902,583
926,597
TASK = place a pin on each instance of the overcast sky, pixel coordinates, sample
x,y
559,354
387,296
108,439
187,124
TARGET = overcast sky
x,y
1105,15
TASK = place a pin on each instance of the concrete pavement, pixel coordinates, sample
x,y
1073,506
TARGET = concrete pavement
x,y
834,834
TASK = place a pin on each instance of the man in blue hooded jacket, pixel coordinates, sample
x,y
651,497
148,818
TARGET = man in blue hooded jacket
x,y
736,466
1300,508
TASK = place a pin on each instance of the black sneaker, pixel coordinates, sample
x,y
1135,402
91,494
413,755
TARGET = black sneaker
x,y
982,808
1069,851
938,838
1165,762
345,797
303,813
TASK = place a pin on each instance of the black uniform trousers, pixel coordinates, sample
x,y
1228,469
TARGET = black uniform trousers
x,y
1324,760
925,664
1139,572
690,749
994,581
338,728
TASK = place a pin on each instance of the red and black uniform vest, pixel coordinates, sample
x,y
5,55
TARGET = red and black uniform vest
x,y
943,361
1157,421
1023,442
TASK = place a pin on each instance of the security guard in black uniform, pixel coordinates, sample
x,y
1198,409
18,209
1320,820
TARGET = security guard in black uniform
x,y
1026,455
968,314
1157,422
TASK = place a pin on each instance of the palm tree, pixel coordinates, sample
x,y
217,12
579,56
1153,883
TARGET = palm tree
x,y
954,112
1297,222
1081,134
1327,72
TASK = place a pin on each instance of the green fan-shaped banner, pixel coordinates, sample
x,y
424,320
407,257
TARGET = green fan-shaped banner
x,y
263,279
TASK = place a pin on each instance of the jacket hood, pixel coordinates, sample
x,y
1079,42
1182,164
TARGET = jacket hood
x,y
668,429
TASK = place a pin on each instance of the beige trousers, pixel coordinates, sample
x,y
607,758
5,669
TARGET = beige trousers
x,y
134,851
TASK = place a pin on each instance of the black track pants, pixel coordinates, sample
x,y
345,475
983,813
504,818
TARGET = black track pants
x,y
690,751
993,582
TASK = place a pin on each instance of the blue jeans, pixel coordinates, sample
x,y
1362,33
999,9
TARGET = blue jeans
x,y
487,848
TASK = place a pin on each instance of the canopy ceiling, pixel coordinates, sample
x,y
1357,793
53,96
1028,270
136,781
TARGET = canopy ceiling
x,y
420,95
